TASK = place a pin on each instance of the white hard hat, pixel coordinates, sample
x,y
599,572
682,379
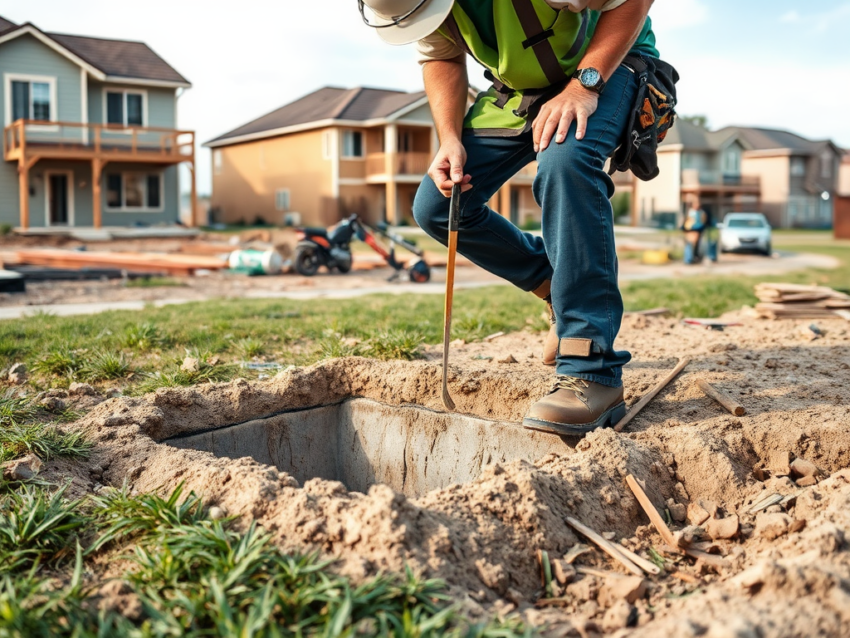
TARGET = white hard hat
x,y
405,21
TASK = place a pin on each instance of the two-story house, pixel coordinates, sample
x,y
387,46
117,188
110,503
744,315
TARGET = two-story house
x,y
790,179
332,153
90,134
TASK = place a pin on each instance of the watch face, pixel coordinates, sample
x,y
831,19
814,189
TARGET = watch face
x,y
590,77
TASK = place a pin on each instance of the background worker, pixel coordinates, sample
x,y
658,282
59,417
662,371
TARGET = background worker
x,y
694,225
560,96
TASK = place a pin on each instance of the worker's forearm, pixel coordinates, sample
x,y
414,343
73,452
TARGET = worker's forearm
x,y
616,32
447,84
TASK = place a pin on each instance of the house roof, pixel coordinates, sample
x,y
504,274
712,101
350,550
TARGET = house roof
x,y
110,59
324,106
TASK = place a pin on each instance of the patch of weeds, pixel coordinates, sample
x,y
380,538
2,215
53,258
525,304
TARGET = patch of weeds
x,y
69,415
38,527
470,327
144,336
209,370
45,441
105,365
61,361
394,344
154,282
120,516
249,347
333,345
15,409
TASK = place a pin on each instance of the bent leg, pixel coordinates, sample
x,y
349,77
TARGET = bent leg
x,y
573,190
485,237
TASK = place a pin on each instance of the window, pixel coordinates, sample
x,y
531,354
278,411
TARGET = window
x,y
281,199
32,99
405,141
798,167
217,161
125,108
134,191
731,162
352,144
826,165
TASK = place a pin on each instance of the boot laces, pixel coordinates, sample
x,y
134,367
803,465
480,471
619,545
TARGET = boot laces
x,y
571,383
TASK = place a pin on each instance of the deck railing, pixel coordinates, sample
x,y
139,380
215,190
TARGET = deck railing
x,y
693,178
75,140
405,163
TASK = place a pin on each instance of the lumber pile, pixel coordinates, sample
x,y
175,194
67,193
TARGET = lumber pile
x,y
135,262
795,301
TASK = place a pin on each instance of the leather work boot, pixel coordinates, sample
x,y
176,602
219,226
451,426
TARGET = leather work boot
x,y
576,407
550,345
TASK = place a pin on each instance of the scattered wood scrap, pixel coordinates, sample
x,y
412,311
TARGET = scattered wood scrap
x,y
606,546
722,398
796,301
173,264
640,405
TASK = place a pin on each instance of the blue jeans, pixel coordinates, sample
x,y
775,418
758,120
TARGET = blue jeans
x,y
577,248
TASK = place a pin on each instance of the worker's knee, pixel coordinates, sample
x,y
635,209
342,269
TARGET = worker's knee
x,y
431,210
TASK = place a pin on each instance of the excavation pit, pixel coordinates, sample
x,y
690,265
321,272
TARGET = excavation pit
x,y
361,443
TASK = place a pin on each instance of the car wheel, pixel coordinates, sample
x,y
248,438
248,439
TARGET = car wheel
x,y
768,250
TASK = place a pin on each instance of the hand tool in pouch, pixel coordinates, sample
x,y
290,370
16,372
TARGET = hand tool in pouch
x,y
454,222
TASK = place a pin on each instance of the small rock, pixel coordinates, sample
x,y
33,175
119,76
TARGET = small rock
x,y
690,535
800,467
807,481
681,493
59,393
52,404
509,359
697,514
628,588
620,614
190,364
18,374
22,469
217,513
722,527
458,342
96,472
797,525
678,512
772,526
584,589
81,389
114,392
608,536
564,572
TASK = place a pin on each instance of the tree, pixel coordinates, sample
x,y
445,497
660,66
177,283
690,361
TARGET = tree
x,y
699,120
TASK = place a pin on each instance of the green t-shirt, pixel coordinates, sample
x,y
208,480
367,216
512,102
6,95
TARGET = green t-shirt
x,y
481,13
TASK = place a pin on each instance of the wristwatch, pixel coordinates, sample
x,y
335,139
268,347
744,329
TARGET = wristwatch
x,y
590,78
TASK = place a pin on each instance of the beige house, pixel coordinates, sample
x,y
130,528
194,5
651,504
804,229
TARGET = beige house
x,y
790,179
333,153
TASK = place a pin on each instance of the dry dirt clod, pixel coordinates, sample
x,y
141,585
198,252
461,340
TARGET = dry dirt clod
x,y
81,389
800,467
697,514
771,526
779,463
52,404
807,481
23,469
628,588
678,512
509,359
18,374
722,527
621,614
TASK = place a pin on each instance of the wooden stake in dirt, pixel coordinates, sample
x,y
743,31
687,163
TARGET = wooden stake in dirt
x,y
606,546
721,397
640,405
454,223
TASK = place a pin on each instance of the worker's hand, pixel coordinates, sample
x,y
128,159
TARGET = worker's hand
x,y
447,168
574,103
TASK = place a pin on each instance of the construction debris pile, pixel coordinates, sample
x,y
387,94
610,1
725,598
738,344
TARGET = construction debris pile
x,y
795,301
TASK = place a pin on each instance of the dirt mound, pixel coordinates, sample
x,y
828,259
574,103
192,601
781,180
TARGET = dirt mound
x,y
787,567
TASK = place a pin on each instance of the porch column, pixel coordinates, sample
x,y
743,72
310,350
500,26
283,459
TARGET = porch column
x,y
194,222
97,199
505,201
390,153
392,202
24,190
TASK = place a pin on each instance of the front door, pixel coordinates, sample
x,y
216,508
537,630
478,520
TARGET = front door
x,y
58,199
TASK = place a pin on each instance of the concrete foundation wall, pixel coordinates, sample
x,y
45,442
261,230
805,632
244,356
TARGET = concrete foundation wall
x,y
361,443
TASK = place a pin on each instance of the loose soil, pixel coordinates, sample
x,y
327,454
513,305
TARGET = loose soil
x,y
788,569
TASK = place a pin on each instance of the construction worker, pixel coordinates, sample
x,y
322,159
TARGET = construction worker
x,y
560,96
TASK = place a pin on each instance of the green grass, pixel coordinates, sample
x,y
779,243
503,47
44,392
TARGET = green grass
x,y
154,282
195,577
43,440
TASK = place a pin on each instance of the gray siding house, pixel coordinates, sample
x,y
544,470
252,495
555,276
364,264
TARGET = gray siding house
x,y
90,134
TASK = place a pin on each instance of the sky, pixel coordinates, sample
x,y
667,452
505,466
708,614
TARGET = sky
x,y
773,63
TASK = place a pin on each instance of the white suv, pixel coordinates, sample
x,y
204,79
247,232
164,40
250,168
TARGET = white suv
x,y
745,231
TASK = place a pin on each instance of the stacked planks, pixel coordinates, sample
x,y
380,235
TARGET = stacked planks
x,y
172,264
796,301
